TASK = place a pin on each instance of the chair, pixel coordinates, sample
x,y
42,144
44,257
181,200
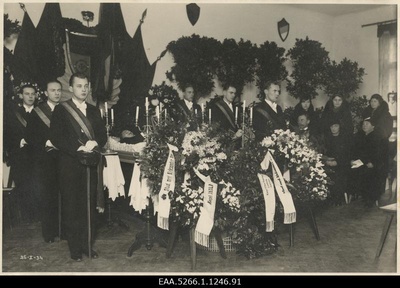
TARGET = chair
x,y
390,211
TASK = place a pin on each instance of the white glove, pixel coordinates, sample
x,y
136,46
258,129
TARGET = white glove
x,y
91,144
22,143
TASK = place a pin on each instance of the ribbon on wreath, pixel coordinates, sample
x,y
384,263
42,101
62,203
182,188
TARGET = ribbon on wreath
x,y
206,219
269,196
167,185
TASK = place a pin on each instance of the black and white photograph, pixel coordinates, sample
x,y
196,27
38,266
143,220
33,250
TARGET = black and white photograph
x,y
182,138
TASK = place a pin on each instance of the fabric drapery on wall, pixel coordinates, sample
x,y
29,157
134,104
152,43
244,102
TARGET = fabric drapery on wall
x,y
112,36
24,64
50,35
387,59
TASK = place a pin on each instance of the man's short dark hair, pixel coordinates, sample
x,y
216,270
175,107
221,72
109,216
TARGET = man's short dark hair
x,y
27,85
226,86
268,84
53,81
187,85
303,114
77,75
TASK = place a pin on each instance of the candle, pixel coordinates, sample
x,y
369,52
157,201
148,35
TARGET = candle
x,y
147,103
112,115
105,104
158,113
137,115
236,114
101,113
209,116
165,114
244,110
202,112
251,114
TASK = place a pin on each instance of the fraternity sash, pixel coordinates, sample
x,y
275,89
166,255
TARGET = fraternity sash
x,y
21,119
282,191
42,116
206,219
167,185
185,111
80,119
226,114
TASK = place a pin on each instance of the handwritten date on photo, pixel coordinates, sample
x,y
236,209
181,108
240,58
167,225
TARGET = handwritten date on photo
x,y
30,257
212,281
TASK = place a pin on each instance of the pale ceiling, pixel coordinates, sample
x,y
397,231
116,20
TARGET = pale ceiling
x,y
337,9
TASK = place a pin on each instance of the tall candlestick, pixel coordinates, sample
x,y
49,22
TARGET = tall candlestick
x,y
137,116
236,114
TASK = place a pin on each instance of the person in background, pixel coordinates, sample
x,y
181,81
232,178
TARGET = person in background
x,y
45,161
186,111
304,106
337,159
378,110
268,115
76,128
368,173
20,152
337,107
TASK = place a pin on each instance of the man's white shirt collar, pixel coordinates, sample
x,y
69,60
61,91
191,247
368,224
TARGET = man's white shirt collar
x,y
28,109
229,104
81,106
51,105
271,104
188,104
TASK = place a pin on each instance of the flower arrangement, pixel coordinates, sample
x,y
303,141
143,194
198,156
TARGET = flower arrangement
x,y
308,178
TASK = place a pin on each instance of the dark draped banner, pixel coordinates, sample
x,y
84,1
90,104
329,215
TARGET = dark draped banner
x,y
112,35
50,36
137,77
24,65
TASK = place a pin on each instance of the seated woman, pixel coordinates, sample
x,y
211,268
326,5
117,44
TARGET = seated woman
x,y
337,158
368,173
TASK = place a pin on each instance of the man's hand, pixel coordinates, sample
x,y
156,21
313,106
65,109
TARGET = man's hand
x,y
331,163
370,165
84,149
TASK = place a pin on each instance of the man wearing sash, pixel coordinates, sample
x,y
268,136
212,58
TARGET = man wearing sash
x,y
223,113
77,126
45,161
186,111
19,152
268,115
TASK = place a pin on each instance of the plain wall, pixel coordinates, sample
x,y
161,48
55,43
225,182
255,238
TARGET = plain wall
x,y
361,44
342,36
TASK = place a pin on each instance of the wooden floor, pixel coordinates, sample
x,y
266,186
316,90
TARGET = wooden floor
x,y
349,238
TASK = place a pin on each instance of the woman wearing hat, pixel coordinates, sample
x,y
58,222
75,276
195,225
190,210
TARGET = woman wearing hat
x,y
337,158
337,107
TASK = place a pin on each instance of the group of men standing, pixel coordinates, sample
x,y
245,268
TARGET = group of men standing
x,y
43,145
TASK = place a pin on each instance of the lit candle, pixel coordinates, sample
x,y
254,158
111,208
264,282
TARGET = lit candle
x,y
209,116
112,115
244,110
137,115
202,112
236,114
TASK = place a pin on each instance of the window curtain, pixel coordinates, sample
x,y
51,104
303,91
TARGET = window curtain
x,y
387,59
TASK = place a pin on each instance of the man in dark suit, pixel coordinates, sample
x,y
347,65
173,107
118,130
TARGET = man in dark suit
x,y
77,127
45,161
186,111
19,152
268,115
223,113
